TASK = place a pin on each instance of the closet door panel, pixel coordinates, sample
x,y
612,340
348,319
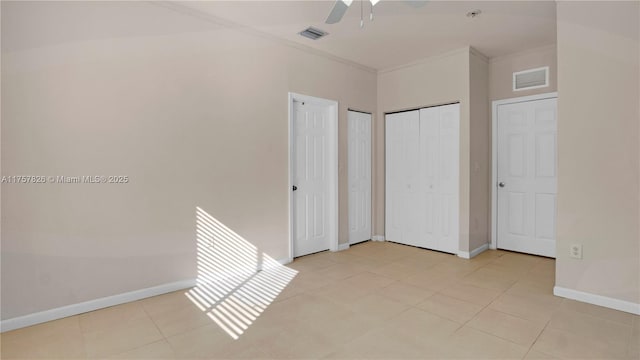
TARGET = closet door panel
x,y
429,197
412,205
402,139
449,177
393,193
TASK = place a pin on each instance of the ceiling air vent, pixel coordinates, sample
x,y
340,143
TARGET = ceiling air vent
x,y
313,33
531,79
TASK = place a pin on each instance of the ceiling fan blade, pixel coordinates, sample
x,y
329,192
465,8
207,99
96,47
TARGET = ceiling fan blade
x,y
338,11
416,3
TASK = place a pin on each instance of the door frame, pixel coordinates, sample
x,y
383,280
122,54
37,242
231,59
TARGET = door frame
x,y
494,155
332,168
370,175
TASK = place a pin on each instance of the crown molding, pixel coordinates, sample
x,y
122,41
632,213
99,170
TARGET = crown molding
x,y
478,54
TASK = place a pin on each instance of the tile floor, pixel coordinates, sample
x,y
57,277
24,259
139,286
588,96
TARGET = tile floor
x,y
376,300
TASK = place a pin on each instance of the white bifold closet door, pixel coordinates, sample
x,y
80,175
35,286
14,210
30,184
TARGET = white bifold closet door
x,y
359,176
422,177
401,203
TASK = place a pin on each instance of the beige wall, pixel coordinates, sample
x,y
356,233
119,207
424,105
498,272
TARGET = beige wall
x,y
598,144
434,81
194,113
501,71
480,151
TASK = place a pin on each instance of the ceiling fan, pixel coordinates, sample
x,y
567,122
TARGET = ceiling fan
x,y
340,8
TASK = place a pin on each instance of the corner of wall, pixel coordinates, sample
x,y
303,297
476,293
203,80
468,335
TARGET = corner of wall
x,y
480,150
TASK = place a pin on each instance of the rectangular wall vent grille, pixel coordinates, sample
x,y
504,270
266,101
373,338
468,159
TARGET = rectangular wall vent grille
x,y
313,33
531,79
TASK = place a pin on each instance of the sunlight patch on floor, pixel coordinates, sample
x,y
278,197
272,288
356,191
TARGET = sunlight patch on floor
x,y
236,283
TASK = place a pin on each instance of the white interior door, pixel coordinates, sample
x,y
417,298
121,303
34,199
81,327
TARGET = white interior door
x,y
311,178
402,207
359,169
527,177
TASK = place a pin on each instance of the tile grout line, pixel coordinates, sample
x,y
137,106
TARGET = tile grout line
x,y
499,337
597,317
538,337
476,314
84,343
486,306
164,337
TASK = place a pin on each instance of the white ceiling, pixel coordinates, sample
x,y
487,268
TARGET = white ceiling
x,y
400,33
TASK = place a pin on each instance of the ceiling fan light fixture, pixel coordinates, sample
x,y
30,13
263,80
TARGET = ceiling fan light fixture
x,y
340,7
337,12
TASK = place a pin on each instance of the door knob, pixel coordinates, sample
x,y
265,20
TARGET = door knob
x,y
295,188
501,184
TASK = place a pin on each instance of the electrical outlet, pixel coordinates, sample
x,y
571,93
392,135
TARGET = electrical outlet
x,y
575,251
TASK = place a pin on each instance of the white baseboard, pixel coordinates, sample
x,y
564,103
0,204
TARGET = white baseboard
x,y
475,252
377,238
599,300
83,307
343,246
